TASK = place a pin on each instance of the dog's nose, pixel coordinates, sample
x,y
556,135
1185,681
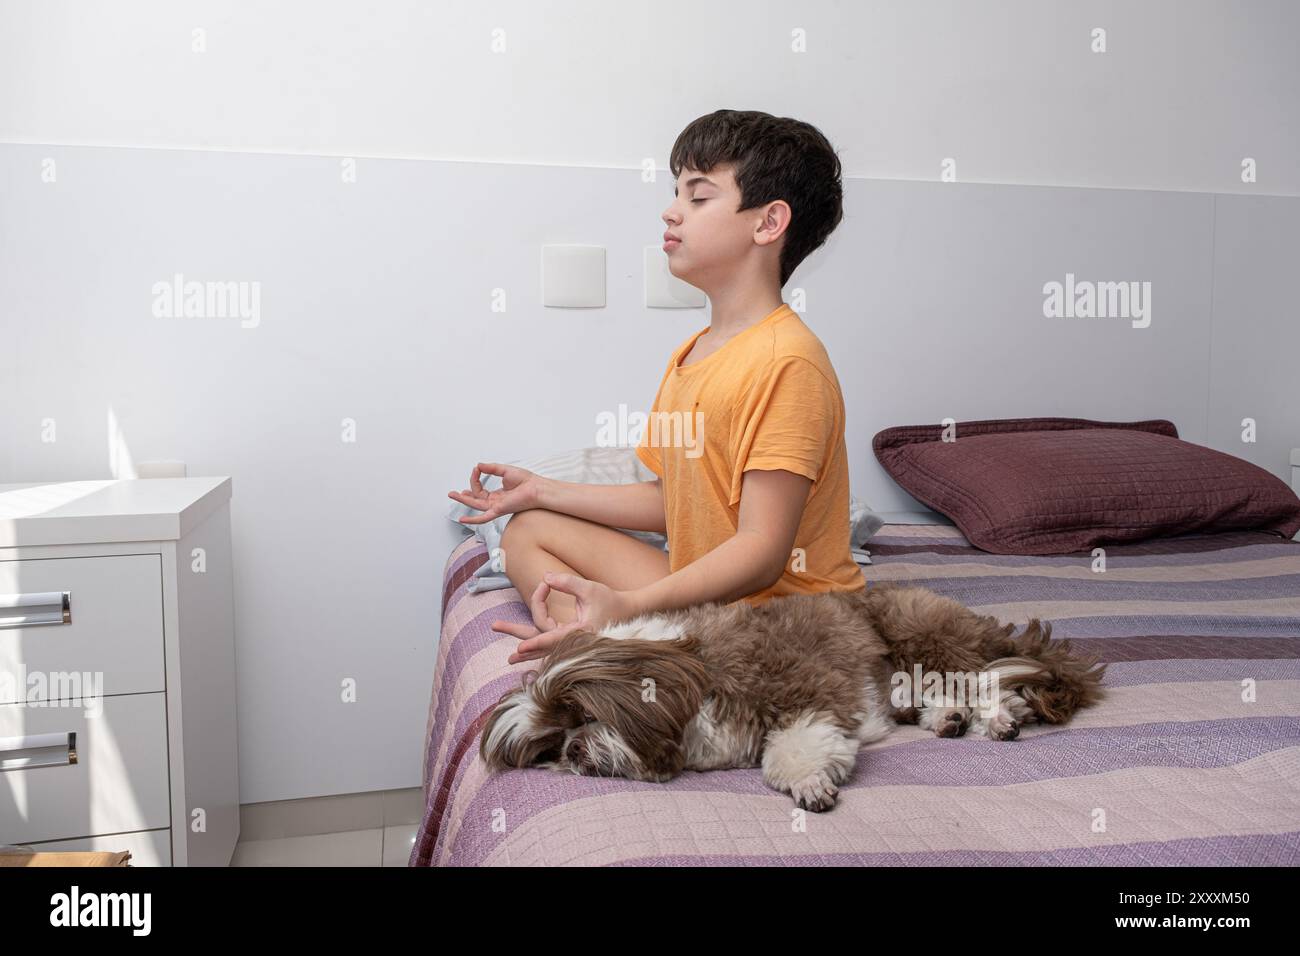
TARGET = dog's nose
x,y
577,750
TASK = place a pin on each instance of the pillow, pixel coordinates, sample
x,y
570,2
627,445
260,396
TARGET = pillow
x,y
1057,485
863,523
610,466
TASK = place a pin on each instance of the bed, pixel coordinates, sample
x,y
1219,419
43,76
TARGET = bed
x,y
1194,758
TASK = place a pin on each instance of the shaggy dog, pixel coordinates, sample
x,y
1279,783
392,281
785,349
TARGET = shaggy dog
x,y
795,685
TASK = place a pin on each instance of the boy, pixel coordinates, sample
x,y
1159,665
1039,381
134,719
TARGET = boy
x,y
755,503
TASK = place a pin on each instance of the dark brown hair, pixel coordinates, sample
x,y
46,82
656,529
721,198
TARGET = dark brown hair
x,y
774,158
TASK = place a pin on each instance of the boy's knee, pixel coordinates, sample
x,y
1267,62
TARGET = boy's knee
x,y
525,526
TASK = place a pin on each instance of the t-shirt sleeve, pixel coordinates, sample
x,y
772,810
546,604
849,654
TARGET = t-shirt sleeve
x,y
649,456
787,420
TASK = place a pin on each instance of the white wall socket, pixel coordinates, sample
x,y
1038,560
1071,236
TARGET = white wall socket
x,y
573,277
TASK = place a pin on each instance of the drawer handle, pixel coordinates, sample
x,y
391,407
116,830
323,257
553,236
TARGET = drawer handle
x,y
36,608
38,750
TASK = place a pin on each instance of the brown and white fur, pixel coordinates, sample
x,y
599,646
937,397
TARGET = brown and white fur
x,y
795,685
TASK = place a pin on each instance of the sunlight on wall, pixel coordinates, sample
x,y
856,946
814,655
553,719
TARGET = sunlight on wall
x,y
120,462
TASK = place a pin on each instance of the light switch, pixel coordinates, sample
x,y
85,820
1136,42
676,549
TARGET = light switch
x,y
573,277
663,290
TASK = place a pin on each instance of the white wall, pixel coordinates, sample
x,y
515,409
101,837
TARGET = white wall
x,y
1009,89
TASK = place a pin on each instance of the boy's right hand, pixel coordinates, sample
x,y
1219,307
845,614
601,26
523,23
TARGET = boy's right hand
x,y
520,490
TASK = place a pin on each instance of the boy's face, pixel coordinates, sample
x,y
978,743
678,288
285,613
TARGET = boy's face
x,y
714,239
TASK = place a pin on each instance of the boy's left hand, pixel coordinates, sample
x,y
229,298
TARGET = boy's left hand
x,y
596,603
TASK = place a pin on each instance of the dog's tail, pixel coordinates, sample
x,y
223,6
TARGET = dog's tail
x,y
1053,680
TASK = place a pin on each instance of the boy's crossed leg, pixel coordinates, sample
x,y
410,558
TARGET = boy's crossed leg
x,y
536,541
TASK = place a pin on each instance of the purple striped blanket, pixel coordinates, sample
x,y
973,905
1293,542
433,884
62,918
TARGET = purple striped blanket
x,y
1192,759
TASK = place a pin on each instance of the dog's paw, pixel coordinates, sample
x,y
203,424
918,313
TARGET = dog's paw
x,y
907,715
1010,732
815,792
1001,726
951,722
1005,722
999,729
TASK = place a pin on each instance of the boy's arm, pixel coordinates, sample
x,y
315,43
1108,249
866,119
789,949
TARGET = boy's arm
x,y
638,506
771,506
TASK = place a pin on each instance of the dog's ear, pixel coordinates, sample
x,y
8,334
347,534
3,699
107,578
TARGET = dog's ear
x,y
526,724
646,691
517,734
494,758
575,642
1064,681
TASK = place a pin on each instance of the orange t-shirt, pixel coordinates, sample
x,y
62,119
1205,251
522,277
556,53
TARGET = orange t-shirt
x,y
767,399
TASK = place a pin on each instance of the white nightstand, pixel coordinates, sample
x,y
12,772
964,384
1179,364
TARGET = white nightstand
x,y
1295,470
117,669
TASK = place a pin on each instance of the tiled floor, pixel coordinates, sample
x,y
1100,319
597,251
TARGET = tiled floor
x,y
389,846
360,829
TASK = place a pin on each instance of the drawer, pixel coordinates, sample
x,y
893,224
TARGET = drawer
x,y
118,783
115,627
148,847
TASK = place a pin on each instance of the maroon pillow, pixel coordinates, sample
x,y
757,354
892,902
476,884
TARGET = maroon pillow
x,y
1056,485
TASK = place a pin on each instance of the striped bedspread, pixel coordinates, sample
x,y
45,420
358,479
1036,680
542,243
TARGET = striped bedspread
x,y
1193,758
